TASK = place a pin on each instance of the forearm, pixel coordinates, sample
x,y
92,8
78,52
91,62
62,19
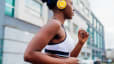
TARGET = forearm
x,y
77,49
40,58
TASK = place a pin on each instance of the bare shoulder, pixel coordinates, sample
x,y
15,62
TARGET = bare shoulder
x,y
50,29
53,25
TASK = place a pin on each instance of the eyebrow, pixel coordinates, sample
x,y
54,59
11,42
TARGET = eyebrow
x,y
71,2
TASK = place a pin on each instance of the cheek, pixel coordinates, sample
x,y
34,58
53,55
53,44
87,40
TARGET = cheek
x,y
69,10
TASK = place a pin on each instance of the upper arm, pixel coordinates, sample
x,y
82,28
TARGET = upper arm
x,y
42,38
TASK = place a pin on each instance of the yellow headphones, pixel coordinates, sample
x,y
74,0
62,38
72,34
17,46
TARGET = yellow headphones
x,y
61,4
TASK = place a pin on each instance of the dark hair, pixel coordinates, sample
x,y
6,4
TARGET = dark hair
x,y
50,3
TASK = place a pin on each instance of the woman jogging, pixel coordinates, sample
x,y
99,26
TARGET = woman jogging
x,y
52,44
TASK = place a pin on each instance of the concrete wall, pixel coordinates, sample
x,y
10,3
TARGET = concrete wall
x,y
1,28
15,34
110,54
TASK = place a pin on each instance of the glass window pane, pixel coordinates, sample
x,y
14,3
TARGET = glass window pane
x,y
91,19
95,23
34,6
9,11
67,25
50,14
75,2
81,5
9,7
95,38
86,11
10,2
98,26
75,28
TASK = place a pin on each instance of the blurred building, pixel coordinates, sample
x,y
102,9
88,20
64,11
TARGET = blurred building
x,y
21,19
96,41
80,21
109,54
84,18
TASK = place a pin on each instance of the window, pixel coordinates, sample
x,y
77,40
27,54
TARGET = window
x,y
67,25
101,29
31,11
93,54
91,18
98,26
15,42
9,7
83,54
95,38
1,49
34,6
91,30
50,14
86,11
88,30
81,5
95,23
75,28
91,35
75,2
98,39
88,55
101,42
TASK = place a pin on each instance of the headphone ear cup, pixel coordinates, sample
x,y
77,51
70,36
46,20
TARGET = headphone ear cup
x,y
61,4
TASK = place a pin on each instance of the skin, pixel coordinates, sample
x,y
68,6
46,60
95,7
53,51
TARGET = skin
x,y
46,34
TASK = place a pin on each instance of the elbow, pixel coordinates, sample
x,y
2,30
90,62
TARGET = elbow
x,y
27,57
73,54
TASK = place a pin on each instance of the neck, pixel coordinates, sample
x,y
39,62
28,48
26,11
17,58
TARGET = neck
x,y
59,16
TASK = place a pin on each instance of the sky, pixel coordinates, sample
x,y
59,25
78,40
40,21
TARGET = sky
x,y
104,10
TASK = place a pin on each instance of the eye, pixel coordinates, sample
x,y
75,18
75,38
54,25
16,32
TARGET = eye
x,y
73,9
71,3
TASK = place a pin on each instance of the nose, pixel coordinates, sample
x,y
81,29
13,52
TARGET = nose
x,y
73,12
73,8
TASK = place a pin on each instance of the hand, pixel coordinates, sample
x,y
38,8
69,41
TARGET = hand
x,y
71,60
83,36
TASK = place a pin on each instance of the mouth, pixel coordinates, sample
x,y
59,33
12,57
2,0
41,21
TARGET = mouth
x,y
72,13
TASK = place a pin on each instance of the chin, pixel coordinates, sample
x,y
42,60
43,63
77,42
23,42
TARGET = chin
x,y
69,18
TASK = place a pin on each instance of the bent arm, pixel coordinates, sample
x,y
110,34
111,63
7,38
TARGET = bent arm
x,y
40,58
83,36
33,52
77,50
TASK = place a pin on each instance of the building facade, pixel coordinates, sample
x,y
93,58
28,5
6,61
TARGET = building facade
x,y
97,42
80,21
109,54
84,18
20,20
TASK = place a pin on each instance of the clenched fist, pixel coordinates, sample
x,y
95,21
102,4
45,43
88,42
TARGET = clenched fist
x,y
83,36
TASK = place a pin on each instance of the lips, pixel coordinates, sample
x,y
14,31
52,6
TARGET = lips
x,y
72,13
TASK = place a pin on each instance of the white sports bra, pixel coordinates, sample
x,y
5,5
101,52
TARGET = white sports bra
x,y
61,49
